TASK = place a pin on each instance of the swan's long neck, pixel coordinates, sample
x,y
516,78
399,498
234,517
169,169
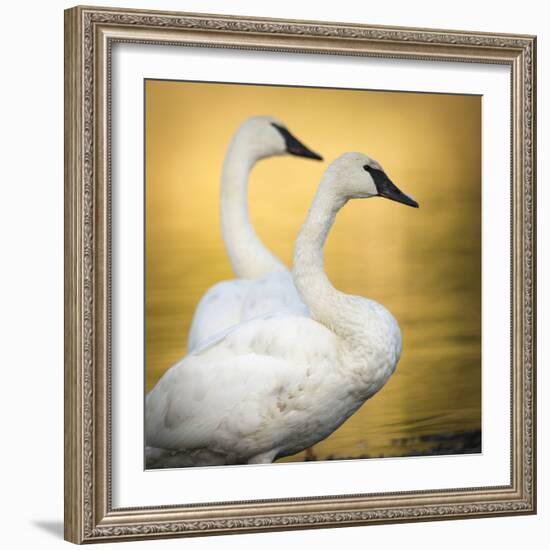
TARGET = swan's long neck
x,y
362,325
323,300
248,255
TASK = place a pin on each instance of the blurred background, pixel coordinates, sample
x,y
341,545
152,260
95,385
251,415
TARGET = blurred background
x,y
423,265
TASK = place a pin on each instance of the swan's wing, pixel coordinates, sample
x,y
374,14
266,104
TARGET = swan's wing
x,y
223,397
257,334
219,309
275,292
228,303
204,404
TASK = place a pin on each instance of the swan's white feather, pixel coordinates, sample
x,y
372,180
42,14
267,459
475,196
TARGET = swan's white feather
x,y
218,309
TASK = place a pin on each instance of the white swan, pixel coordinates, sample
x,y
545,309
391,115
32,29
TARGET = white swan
x,y
264,283
272,386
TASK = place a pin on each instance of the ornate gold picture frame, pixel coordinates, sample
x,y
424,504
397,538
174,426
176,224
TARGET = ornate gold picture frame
x,y
90,34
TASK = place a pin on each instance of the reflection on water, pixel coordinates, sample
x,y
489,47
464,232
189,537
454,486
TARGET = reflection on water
x,y
424,265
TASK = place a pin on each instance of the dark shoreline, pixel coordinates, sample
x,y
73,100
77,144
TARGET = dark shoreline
x,y
439,444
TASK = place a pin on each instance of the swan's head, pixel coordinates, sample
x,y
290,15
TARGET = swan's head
x,y
357,176
265,136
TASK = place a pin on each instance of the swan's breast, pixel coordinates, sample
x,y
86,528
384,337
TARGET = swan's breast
x,y
371,353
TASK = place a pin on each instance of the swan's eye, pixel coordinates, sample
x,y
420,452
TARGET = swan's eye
x,y
367,168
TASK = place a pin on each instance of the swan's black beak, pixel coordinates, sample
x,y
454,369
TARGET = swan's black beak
x,y
295,147
387,189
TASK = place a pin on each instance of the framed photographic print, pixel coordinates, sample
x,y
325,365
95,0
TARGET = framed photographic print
x,y
300,282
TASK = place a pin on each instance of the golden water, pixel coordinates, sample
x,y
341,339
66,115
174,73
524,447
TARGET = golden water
x,y
424,265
